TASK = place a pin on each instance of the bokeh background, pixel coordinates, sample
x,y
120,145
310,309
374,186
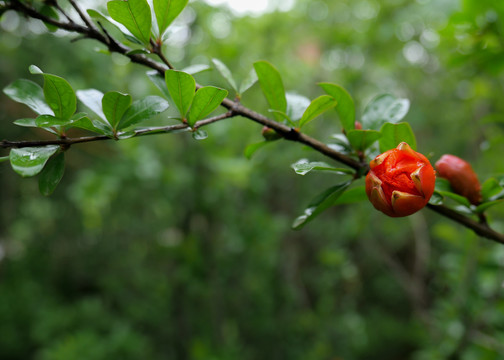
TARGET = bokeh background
x,y
169,248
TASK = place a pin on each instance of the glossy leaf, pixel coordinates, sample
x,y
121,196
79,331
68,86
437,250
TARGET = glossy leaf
x,y
114,105
52,174
87,124
49,121
491,190
135,15
159,82
181,87
352,196
316,108
249,81
29,161
362,139
206,100
486,205
296,105
252,148
49,12
106,22
345,105
393,134
58,94
303,167
166,11
320,203
29,93
195,69
271,85
383,109
92,98
225,72
142,110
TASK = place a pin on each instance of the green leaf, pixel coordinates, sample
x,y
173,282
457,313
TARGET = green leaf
x,y
362,139
92,98
106,22
352,196
484,206
166,11
320,203
303,167
87,124
195,69
181,87
142,110
159,82
49,12
436,199
135,15
317,107
58,94
114,105
49,120
249,81
29,93
383,109
206,100
29,161
284,116
52,174
491,190
272,86
345,105
296,105
393,134
199,135
252,148
4,158
226,73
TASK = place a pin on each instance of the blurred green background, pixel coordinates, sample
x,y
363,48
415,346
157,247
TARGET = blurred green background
x,y
170,248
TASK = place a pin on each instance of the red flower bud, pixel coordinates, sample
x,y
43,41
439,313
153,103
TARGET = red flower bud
x,y
358,126
461,176
400,181
269,134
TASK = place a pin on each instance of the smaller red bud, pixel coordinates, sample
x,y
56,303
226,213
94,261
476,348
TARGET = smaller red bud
x,y
462,178
358,126
269,134
400,181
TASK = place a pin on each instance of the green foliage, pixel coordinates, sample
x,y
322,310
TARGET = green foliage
x,y
29,93
272,86
206,100
181,87
393,134
317,107
320,203
52,174
30,161
135,15
384,109
362,139
345,104
166,11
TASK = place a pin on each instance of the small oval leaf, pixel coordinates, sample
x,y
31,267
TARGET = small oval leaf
x,y
52,174
30,161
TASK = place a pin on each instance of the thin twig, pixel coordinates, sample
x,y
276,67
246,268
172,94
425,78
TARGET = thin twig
x,y
6,144
82,15
288,133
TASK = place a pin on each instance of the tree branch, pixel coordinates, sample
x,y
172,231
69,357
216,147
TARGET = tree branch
x,y
234,108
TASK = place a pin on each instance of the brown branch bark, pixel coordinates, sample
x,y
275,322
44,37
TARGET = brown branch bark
x,y
234,108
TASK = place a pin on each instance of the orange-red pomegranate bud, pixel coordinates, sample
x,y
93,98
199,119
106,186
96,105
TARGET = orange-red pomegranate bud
x,y
358,126
461,176
400,181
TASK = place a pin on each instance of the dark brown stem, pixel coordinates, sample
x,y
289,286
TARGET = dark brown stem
x,y
89,31
479,228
